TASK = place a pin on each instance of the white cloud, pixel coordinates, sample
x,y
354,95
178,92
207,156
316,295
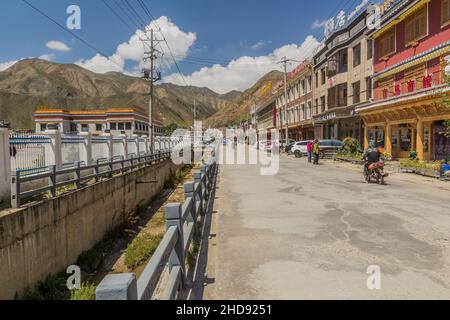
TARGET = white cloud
x,y
58,46
243,72
48,57
6,65
317,24
260,44
134,49
101,64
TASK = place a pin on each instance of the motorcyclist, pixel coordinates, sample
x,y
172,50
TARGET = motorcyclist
x,y
371,155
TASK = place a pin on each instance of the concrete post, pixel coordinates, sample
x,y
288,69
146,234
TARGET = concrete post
x,y
5,164
420,139
143,147
53,156
86,148
189,189
174,219
109,142
203,172
117,287
198,179
157,144
133,145
125,145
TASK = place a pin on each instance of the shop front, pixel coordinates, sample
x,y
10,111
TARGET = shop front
x,y
408,125
337,125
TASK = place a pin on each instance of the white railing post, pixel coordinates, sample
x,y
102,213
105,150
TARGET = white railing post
x,y
143,144
125,145
86,148
174,219
134,145
53,156
5,164
109,145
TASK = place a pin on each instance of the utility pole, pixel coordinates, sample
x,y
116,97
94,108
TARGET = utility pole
x,y
149,75
285,61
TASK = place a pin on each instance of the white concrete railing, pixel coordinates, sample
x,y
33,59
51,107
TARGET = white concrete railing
x,y
172,250
35,154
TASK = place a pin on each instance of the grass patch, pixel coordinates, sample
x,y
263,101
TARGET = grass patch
x,y
86,292
52,288
141,249
5,204
418,164
89,261
193,251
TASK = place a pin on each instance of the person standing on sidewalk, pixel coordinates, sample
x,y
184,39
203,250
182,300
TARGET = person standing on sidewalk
x,y
309,150
316,151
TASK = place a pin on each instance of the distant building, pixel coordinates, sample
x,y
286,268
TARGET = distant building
x,y
299,103
129,121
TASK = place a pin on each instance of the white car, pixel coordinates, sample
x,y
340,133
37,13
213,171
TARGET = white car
x,y
300,149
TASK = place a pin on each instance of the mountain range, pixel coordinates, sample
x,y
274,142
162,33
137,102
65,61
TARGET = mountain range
x,y
33,83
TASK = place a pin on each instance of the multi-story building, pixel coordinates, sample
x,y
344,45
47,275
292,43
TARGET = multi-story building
x,y
265,115
342,68
408,111
299,103
129,121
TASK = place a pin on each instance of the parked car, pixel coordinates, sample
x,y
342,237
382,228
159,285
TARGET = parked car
x,y
299,149
329,146
288,147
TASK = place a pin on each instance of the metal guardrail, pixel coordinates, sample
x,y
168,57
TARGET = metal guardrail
x,y
171,252
51,173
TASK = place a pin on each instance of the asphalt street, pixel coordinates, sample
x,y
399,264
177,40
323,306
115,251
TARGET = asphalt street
x,y
312,232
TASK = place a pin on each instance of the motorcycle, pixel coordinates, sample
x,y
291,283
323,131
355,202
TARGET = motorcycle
x,y
375,171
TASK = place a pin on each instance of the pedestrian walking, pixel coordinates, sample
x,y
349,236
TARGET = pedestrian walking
x,y
309,150
316,151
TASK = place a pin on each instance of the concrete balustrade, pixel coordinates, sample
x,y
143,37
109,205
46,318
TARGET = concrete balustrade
x,y
172,250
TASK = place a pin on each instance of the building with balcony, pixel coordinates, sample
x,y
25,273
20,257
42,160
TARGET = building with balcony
x,y
129,121
299,104
409,84
343,66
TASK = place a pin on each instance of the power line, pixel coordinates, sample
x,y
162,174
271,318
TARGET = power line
x,y
118,16
133,11
122,9
70,32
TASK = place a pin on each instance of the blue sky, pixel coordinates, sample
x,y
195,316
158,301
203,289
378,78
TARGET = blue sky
x,y
240,30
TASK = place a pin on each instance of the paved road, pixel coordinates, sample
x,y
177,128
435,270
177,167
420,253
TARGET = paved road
x,y
311,233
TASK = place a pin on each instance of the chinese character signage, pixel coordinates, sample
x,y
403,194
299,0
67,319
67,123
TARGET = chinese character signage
x,y
342,19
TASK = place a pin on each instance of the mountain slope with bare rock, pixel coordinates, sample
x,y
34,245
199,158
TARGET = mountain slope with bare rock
x,y
32,82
